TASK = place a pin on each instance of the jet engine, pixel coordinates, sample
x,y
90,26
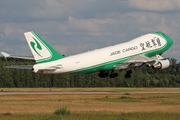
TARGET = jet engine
x,y
161,64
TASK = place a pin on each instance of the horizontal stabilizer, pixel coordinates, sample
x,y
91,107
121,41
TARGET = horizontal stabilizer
x,y
21,67
6,55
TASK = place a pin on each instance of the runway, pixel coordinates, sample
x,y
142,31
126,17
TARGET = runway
x,y
89,93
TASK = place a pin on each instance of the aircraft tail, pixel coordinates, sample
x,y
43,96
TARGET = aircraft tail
x,y
40,49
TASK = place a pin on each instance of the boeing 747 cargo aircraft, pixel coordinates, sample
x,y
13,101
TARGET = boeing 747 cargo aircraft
x,y
144,50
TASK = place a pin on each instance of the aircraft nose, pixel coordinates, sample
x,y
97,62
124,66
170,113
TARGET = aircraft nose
x,y
168,39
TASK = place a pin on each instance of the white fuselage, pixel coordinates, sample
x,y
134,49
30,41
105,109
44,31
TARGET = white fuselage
x,y
141,45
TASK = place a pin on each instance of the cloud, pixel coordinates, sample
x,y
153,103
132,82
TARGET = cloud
x,y
94,27
78,26
59,9
71,49
155,5
8,30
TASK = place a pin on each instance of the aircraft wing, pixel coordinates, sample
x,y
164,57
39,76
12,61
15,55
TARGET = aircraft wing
x,y
6,55
138,61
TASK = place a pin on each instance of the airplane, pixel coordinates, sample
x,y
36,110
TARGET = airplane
x,y
143,50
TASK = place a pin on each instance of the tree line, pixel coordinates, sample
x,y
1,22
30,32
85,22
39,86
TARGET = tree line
x,y
141,77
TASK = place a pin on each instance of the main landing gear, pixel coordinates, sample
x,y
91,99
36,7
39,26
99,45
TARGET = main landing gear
x,y
128,74
104,74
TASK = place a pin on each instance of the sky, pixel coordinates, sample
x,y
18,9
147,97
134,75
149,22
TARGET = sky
x,y
75,26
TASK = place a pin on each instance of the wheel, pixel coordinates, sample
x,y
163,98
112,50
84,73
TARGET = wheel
x,y
103,74
111,76
127,75
129,72
116,74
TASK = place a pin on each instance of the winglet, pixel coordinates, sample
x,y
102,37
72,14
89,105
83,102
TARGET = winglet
x,y
5,54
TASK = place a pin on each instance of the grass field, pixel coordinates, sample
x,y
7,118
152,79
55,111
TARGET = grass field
x,y
85,89
91,107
